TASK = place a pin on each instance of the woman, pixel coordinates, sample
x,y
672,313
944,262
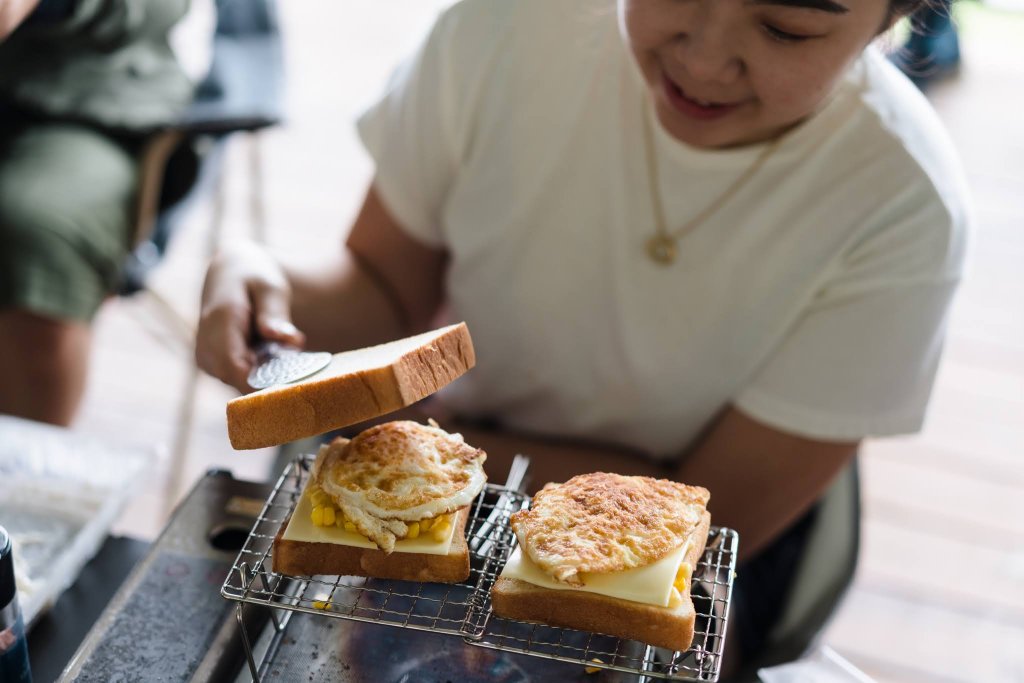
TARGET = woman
x,y
714,240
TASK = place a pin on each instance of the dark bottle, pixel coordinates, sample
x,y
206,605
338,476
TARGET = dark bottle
x,y
13,648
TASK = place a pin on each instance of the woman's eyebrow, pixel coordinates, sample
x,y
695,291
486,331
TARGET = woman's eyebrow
x,y
829,6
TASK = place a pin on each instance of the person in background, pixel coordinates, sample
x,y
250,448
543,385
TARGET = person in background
x,y
712,240
82,82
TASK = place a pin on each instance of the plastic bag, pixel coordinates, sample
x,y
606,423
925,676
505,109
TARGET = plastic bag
x,y
59,495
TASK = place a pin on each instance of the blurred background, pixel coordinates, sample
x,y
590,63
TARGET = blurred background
x,y
939,593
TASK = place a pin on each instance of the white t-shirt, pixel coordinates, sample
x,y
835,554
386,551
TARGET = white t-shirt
x,y
814,300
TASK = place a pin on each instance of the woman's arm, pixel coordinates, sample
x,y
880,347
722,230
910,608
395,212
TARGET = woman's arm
x,y
761,479
383,286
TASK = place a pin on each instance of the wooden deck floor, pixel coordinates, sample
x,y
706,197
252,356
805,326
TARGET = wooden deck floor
x,y
939,594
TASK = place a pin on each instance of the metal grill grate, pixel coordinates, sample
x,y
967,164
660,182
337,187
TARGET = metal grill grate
x,y
464,609
711,594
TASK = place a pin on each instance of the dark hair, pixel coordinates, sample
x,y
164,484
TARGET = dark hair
x,y
899,9
902,8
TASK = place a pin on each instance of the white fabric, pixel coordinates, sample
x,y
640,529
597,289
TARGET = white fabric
x,y
814,300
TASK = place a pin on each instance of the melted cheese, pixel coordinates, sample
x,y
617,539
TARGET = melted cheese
x,y
301,528
651,584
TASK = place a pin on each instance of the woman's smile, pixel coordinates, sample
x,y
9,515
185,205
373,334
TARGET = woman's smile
x,y
694,107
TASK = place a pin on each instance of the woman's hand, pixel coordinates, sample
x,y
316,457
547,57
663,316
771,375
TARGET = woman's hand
x,y
382,285
246,297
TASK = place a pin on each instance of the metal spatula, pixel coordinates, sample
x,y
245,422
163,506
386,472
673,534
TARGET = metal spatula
x,y
279,364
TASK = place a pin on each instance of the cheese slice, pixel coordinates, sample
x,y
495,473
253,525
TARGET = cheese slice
x,y
651,584
301,528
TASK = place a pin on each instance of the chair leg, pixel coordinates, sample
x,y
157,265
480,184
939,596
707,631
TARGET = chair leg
x,y
152,164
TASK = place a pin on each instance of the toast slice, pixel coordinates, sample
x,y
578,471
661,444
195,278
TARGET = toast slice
x,y
301,558
357,385
668,627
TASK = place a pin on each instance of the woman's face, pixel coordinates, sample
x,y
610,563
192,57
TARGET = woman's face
x,y
733,72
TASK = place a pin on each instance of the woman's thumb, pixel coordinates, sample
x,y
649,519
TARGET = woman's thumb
x,y
273,317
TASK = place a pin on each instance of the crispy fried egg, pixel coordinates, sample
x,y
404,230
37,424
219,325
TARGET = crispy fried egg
x,y
396,473
601,522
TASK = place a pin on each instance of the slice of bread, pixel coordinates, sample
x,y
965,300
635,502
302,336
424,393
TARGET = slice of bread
x,y
300,558
358,385
666,627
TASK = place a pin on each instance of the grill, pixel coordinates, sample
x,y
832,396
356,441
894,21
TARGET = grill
x,y
464,610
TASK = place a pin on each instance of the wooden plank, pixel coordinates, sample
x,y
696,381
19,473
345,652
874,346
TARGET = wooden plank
x,y
987,355
944,571
900,639
944,504
965,464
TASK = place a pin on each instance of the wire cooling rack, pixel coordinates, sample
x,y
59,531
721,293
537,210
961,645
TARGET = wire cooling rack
x,y
711,594
464,609
396,603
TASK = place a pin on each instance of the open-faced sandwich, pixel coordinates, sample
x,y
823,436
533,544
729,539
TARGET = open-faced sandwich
x,y
390,503
610,554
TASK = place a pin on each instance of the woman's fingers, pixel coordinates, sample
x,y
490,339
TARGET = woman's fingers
x,y
243,284
222,344
271,302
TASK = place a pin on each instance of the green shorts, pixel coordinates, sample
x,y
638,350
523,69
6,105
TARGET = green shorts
x,y
66,198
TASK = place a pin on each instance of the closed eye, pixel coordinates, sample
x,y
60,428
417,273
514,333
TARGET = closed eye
x,y
781,36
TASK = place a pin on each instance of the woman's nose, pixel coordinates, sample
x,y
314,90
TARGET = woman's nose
x,y
706,52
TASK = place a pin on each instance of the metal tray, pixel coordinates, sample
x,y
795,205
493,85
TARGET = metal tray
x,y
464,609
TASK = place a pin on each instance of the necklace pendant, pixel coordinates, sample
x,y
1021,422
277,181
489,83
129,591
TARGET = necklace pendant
x,y
662,249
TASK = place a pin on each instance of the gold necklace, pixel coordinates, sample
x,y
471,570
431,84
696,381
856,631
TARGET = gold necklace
x,y
662,246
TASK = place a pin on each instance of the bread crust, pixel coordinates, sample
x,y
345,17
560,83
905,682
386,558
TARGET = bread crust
x,y
395,375
301,558
666,627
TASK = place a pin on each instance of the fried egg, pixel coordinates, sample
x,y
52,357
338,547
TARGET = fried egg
x,y
396,473
601,523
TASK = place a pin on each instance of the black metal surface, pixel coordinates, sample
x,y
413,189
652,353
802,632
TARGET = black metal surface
x,y
164,628
167,621
57,634
316,650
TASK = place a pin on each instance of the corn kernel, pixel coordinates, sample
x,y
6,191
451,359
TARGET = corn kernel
x,y
440,530
414,530
349,526
319,497
425,524
328,515
594,669
317,515
321,604
683,577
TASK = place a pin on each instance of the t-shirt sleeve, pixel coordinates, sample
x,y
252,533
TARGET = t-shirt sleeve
x,y
415,132
861,359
